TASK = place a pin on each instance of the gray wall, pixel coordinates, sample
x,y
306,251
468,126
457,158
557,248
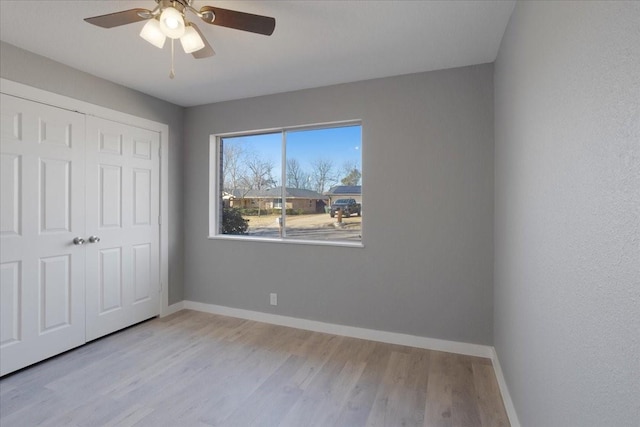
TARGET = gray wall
x,y
426,268
567,213
34,70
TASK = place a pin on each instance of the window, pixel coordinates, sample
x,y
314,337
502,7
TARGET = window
x,y
286,184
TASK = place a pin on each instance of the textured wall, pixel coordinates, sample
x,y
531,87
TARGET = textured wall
x,y
426,268
567,213
34,70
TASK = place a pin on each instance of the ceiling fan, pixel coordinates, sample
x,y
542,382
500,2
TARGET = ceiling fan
x,y
169,19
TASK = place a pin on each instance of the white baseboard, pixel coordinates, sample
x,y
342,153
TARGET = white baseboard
x,y
173,308
348,331
504,390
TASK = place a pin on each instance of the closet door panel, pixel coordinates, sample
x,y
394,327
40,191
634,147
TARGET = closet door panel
x,y
123,281
42,201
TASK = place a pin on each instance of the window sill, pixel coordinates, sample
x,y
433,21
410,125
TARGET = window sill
x,y
286,241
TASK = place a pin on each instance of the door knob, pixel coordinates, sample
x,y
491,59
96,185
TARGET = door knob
x,y
78,241
94,239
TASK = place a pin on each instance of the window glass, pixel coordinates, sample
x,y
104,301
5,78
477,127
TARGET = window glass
x,y
321,165
251,169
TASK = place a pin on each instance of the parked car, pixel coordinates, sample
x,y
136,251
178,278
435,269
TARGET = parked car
x,y
348,206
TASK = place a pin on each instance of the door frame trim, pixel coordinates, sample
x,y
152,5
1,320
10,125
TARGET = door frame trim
x,y
42,96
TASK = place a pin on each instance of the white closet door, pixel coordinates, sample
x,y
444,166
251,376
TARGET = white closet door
x,y
42,204
122,178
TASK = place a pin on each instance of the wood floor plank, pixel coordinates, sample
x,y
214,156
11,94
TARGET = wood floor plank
x,y
237,382
464,401
200,370
21,401
324,397
270,402
386,410
316,350
361,398
439,400
335,397
490,404
418,380
129,417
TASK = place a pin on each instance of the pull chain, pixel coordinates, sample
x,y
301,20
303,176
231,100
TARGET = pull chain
x,y
172,73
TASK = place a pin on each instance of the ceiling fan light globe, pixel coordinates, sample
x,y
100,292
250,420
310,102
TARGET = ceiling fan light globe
x,y
172,23
191,40
152,33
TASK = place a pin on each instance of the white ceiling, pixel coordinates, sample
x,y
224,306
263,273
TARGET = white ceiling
x,y
315,43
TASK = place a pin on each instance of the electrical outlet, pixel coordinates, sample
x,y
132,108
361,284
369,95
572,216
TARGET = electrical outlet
x,y
273,299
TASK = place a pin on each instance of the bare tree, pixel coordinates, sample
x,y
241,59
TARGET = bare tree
x,y
259,173
232,166
322,174
296,176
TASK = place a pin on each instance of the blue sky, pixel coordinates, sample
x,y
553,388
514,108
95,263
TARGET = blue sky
x,y
339,145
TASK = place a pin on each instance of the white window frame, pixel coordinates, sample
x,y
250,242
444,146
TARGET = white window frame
x,y
215,202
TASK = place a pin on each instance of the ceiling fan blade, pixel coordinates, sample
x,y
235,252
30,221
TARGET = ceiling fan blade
x,y
239,20
118,18
207,50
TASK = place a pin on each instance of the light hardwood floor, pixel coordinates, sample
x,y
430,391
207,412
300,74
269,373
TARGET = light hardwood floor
x,y
198,369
